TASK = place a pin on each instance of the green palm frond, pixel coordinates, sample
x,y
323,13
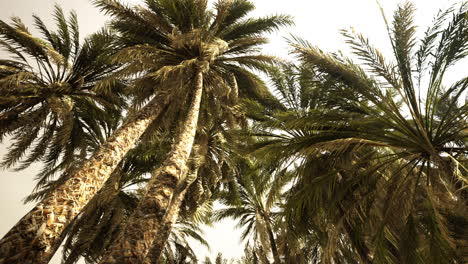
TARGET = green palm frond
x,y
50,80
357,138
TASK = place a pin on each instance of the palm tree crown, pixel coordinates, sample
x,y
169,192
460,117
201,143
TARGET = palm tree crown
x,y
51,81
378,136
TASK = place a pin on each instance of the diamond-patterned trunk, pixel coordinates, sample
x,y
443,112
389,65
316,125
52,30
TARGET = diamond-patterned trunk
x,y
144,226
36,236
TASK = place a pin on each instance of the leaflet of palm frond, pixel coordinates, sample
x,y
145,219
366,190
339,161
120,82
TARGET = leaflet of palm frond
x,y
18,35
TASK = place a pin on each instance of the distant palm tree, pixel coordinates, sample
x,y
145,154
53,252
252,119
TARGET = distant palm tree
x,y
207,53
178,249
251,256
254,208
218,260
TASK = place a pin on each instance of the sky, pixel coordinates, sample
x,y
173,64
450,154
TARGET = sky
x,y
317,21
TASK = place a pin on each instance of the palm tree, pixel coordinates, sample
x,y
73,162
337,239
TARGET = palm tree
x,y
251,256
433,130
96,227
218,260
207,53
211,166
379,154
255,208
51,81
178,249
426,133
307,170
296,247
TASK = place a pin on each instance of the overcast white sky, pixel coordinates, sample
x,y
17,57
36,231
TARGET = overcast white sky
x,y
317,21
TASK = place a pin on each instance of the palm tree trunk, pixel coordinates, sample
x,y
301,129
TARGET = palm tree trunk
x,y
286,253
271,236
104,198
169,219
136,240
35,237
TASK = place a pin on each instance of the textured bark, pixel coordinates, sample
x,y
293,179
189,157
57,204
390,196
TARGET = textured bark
x,y
142,229
169,219
286,253
35,237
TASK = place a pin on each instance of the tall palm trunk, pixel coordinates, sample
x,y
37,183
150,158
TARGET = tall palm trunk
x,y
36,236
271,236
169,219
286,253
136,240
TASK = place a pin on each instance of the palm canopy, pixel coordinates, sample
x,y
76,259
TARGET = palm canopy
x,y
174,38
373,139
50,80
422,129
333,191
